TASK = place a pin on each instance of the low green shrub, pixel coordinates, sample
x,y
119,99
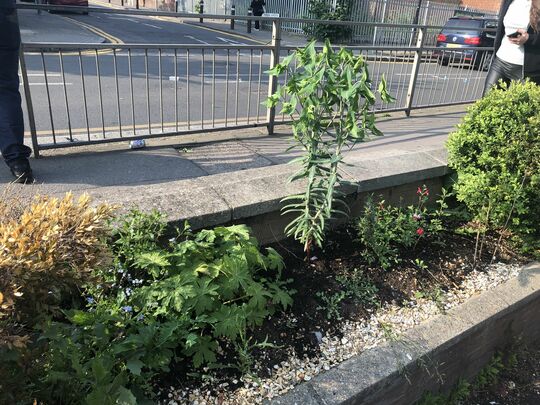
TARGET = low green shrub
x,y
495,152
384,229
185,300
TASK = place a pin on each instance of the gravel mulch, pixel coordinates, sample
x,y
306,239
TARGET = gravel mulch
x,y
308,341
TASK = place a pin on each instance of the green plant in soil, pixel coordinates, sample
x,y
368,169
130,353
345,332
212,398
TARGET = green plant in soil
x,y
355,287
328,95
495,154
158,304
384,230
435,294
359,288
331,303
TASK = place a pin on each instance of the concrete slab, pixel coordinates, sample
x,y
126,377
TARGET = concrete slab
x,y
179,200
393,169
89,170
223,157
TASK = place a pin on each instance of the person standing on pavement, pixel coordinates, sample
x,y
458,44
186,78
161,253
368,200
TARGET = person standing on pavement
x,y
517,44
257,6
14,152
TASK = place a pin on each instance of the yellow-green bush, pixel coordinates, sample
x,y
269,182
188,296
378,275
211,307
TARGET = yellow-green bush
x,y
48,249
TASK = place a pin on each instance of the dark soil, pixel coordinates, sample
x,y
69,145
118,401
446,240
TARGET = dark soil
x,y
440,268
519,384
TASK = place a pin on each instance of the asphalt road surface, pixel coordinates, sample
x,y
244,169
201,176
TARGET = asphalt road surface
x,y
108,93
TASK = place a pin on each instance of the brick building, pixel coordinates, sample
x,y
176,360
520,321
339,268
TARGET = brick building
x,y
491,5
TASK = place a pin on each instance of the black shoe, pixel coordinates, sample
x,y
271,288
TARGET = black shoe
x,y
22,171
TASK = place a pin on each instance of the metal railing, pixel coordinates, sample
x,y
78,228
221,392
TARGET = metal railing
x,y
427,12
80,94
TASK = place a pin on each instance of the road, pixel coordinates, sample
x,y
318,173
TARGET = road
x,y
133,29
109,92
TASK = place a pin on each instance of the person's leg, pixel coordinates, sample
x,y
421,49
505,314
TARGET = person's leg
x,y
13,150
495,73
501,70
257,22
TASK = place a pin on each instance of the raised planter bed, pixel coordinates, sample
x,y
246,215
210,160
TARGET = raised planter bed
x,y
435,354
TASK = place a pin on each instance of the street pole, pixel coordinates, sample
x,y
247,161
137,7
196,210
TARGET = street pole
x,y
201,10
415,20
273,82
250,13
417,14
233,12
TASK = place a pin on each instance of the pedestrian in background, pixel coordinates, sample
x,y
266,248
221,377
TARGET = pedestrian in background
x,y
14,152
257,6
517,44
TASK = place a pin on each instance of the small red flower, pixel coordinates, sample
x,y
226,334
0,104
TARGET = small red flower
x,y
422,191
420,231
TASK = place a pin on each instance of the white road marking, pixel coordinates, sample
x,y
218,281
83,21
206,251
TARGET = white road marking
x,y
219,78
230,41
123,18
153,26
43,75
50,84
196,39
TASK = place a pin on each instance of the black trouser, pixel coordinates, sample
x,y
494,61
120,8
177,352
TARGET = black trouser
x,y
11,115
501,70
257,13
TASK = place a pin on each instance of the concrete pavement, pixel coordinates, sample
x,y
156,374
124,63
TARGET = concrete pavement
x,y
216,178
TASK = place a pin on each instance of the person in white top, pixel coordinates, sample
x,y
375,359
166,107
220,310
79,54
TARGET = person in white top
x,y
517,45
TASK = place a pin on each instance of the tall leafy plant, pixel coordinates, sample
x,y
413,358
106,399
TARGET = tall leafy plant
x,y
328,95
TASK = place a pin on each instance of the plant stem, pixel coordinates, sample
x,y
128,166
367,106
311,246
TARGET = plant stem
x,y
508,218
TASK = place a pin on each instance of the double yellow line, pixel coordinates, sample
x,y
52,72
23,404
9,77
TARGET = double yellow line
x,y
111,38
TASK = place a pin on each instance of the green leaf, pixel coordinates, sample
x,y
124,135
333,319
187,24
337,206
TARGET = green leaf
x,y
237,273
259,296
154,262
203,352
274,261
385,95
280,296
229,321
134,365
203,295
80,317
125,397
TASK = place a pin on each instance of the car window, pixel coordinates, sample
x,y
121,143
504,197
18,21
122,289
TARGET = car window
x,y
463,23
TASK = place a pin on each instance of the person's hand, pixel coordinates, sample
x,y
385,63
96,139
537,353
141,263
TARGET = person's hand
x,y
521,39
